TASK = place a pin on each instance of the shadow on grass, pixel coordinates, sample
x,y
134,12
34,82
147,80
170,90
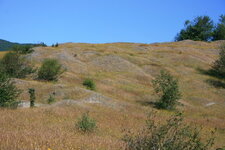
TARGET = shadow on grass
x,y
216,83
156,105
147,103
211,72
159,105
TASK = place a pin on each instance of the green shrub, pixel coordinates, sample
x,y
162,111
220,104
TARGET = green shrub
x,y
167,89
32,97
86,124
51,99
50,70
8,91
23,49
174,134
15,65
89,84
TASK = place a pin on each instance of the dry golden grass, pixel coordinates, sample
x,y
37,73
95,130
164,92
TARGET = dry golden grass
x,y
54,127
3,53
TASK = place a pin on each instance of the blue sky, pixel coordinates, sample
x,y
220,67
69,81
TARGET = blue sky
x,y
100,21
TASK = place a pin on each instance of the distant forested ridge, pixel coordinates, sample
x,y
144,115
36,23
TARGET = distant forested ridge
x,y
6,45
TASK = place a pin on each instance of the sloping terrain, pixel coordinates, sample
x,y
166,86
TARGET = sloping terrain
x,y
123,74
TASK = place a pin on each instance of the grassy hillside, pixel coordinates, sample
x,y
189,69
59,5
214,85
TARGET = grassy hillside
x,y
122,73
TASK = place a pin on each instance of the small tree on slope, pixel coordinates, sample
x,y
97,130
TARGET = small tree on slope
x,y
167,89
8,91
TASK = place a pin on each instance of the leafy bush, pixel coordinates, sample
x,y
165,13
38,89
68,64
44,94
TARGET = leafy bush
x,y
89,84
8,91
51,99
23,49
173,135
15,65
86,124
167,89
50,70
218,68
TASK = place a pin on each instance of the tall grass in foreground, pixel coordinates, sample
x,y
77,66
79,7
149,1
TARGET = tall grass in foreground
x,y
173,135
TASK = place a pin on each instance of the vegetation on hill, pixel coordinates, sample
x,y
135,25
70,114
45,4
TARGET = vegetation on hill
x,y
14,65
218,68
50,70
22,49
172,135
123,73
202,28
86,123
55,45
166,86
89,83
50,99
6,45
8,91
32,96
219,32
